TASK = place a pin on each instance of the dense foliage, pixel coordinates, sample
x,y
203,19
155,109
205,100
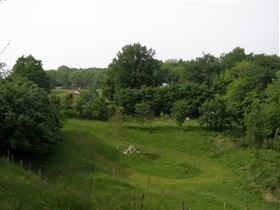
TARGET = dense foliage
x,y
235,90
29,123
142,111
67,77
180,111
93,106
31,69
214,114
134,67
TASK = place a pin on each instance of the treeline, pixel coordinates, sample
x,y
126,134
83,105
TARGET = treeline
x,y
67,77
235,90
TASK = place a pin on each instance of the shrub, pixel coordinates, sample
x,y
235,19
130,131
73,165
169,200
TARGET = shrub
x,y
142,111
214,114
92,106
28,121
180,111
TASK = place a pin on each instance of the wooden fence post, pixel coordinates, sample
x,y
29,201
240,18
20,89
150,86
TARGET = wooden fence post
x,y
142,201
245,201
133,200
133,196
148,183
182,205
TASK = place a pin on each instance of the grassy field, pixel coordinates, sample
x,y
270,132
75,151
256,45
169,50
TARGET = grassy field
x,y
204,170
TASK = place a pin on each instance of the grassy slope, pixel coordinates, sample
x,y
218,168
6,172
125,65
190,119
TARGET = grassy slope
x,y
186,164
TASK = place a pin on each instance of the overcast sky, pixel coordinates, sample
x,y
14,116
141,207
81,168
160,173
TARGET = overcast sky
x,y
87,33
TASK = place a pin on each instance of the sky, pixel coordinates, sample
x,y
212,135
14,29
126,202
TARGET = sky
x,y
89,33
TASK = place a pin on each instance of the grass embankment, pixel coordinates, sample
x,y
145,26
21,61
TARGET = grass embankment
x,y
186,164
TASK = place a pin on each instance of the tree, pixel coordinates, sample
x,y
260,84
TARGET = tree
x,y
31,69
194,96
180,111
214,114
84,104
52,75
201,70
62,76
255,122
134,67
232,58
29,123
142,110
272,107
101,109
93,106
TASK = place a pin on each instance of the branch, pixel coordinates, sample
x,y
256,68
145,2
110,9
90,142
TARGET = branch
x,y
5,48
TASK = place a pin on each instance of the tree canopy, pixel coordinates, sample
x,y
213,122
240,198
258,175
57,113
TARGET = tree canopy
x,y
29,123
134,67
31,69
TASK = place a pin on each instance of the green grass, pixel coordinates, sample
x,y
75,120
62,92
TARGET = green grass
x,y
61,92
188,164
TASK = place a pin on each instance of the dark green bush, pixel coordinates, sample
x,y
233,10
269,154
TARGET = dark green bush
x,y
29,122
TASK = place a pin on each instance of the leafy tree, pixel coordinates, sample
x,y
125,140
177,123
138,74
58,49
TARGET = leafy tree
x,y
101,109
194,95
52,75
92,106
232,58
77,78
272,107
62,76
201,70
31,69
128,98
142,110
168,72
242,84
255,122
214,114
134,67
84,104
180,111
163,99
29,123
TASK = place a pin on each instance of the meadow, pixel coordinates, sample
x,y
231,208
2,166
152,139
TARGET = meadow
x,y
177,168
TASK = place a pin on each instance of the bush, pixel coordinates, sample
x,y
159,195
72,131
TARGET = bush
x,y
214,114
29,123
255,123
101,109
180,111
161,99
92,106
142,111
